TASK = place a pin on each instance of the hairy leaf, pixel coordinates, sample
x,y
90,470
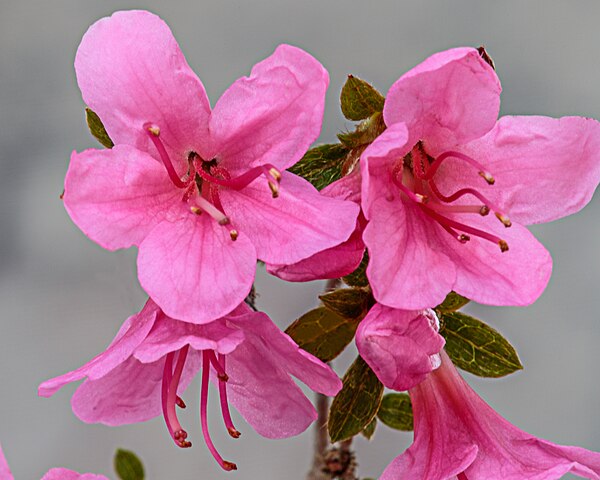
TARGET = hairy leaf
x,y
358,278
322,165
476,347
347,302
356,404
97,128
452,302
128,466
396,411
365,133
369,430
359,100
323,333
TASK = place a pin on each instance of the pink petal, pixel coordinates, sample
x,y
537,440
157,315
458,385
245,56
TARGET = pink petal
x,y
407,269
272,116
128,394
545,168
487,275
449,99
132,333
118,196
400,346
131,71
5,473
65,474
193,270
292,227
170,335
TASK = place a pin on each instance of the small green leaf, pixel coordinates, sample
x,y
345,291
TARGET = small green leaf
x,y
359,100
358,278
323,333
365,133
369,430
128,466
396,411
476,347
322,165
97,128
356,404
452,302
347,302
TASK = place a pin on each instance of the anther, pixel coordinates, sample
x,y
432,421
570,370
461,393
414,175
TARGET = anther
x,y
421,198
276,174
462,238
504,219
274,189
488,177
154,130
224,221
233,234
179,402
196,210
484,210
233,432
228,466
503,246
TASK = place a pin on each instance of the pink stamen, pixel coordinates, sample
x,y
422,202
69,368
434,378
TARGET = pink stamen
x,y
236,183
206,206
440,159
154,134
225,405
217,366
482,210
172,378
415,197
204,416
166,381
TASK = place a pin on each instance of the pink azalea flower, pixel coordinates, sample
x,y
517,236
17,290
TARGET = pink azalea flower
x,y
458,435
53,474
154,357
440,184
402,347
193,188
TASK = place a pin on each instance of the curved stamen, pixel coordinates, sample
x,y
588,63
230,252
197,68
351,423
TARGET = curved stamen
x,y
236,183
467,229
154,134
179,434
204,416
224,404
217,366
214,212
482,210
415,197
166,381
449,154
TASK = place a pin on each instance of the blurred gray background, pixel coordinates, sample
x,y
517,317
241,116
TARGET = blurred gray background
x,y
63,297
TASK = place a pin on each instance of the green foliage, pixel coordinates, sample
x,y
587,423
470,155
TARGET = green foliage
x,y
476,347
369,430
365,132
358,278
323,333
356,404
97,128
451,303
347,302
128,466
359,100
396,411
322,165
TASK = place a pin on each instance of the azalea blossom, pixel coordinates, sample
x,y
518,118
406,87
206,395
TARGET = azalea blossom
x,y
447,188
154,357
52,474
203,193
459,436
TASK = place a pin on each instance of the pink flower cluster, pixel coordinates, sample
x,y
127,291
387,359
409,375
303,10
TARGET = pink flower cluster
x,y
440,201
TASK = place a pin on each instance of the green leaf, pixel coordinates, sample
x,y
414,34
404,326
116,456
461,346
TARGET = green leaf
x,y
128,466
365,133
97,128
358,278
359,100
396,411
323,333
452,302
322,165
476,347
356,404
369,430
347,302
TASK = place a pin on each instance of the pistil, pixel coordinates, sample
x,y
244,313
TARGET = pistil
x,y
154,134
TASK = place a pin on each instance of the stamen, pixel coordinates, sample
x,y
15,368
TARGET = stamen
x,y
170,398
415,197
274,189
461,237
204,416
276,174
166,381
440,159
236,183
179,402
154,134
482,210
504,219
233,234
225,405
217,366
209,208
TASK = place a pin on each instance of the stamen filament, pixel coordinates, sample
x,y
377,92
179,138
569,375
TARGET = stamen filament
x,y
217,366
482,210
440,159
225,405
209,208
154,134
166,382
204,415
415,197
178,433
236,183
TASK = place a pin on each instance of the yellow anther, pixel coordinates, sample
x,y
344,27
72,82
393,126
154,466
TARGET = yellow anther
x,y
275,174
234,235
488,177
196,210
503,246
484,210
504,219
274,189
154,130
422,198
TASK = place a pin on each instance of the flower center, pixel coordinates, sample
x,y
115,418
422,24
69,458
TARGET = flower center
x,y
204,179
171,378
414,175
